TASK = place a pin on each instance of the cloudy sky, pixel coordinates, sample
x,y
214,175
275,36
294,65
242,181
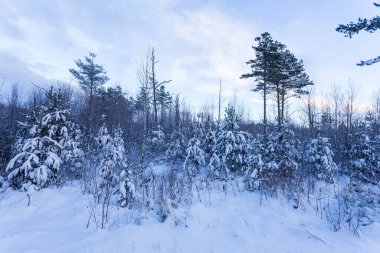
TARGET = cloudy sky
x,y
198,42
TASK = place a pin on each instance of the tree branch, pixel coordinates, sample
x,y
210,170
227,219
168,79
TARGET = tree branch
x,y
369,62
39,87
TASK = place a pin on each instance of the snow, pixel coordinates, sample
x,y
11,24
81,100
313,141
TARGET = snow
x,y
158,169
369,62
56,221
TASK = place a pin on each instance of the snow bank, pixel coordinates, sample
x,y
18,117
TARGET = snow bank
x,y
56,222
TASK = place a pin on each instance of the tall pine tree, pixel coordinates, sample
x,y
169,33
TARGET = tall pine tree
x,y
90,76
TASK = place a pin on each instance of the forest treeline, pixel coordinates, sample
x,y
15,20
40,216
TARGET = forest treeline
x,y
112,141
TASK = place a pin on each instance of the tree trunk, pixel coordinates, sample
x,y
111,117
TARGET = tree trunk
x,y
278,105
177,112
91,109
220,100
265,107
282,105
265,91
154,87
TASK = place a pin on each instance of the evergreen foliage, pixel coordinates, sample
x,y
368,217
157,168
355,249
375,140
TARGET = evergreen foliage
x,y
126,187
273,162
319,157
89,75
368,25
111,155
231,147
277,71
42,140
363,164
194,157
176,151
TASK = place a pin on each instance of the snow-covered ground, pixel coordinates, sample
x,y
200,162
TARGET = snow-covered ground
x,y
56,221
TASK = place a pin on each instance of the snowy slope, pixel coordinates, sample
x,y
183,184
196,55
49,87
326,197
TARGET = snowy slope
x,y
56,222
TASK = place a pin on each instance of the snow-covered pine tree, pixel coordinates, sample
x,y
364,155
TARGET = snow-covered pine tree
x,y
284,156
199,129
72,154
214,166
209,141
111,154
126,187
192,166
319,158
156,142
257,167
363,162
376,148
38,148
274,162
231,119
176,151
119,149
232,146
194,158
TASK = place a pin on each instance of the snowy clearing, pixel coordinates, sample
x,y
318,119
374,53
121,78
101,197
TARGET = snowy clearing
x,y
56,222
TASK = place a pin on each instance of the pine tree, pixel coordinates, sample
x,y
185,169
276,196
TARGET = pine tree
x,y
157,142
199,128
126,187
286,155
114,106
192,166
273,162
39,146
209,140
194,158
232,147
142,99
231,119
90,77
165,100
176,151
291,81
363,162
72,154
257,170
263,67
215,165
376,148
319,157
277,71
111,154
155,85
118,149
